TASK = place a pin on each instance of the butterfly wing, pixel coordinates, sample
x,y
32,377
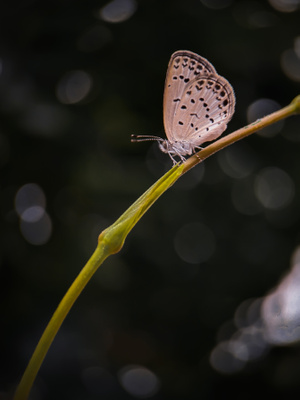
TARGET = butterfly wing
x,y
203,111
184,67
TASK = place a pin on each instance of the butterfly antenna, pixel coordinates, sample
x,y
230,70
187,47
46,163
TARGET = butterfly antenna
x,y
143,138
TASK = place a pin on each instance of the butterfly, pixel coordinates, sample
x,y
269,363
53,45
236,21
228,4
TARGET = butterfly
x,y
198,104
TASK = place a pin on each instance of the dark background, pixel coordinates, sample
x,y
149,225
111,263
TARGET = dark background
x,y
75,83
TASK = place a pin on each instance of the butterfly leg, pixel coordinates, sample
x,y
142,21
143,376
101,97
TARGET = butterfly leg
x,y
180,156
173,159
198,148
194,151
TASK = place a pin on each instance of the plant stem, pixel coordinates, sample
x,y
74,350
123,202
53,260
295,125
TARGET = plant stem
x,y
112,239
291,109
99,255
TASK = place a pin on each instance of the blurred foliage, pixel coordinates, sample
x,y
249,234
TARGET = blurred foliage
x,y
69,133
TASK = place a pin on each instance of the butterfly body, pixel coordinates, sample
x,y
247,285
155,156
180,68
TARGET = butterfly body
x,y
198,104
179,149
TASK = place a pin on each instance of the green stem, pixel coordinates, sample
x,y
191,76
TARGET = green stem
x,y
100,254
112,239
291,109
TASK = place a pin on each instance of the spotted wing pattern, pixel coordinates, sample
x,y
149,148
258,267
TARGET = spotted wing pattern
x,y
198,103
